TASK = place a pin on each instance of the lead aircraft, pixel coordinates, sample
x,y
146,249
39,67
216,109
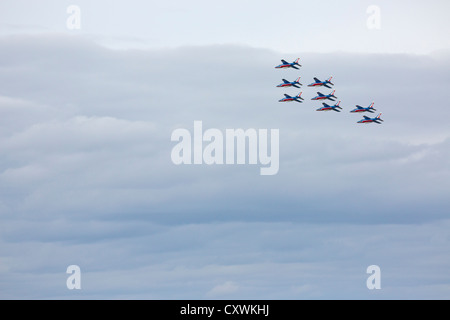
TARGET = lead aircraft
x,y
328,108
321,96
286,83
363,109
286,64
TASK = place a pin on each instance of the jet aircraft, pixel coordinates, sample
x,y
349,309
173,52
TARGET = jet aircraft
x,y
288,98
318,83
370,120
362,109
326,107
286,64
321,96
286,83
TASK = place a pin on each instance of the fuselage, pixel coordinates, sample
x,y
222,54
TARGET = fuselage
x,y
371,120
325,109
321,96
361,110
358,109
283,85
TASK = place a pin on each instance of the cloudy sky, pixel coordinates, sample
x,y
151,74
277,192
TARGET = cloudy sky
x,y
87,179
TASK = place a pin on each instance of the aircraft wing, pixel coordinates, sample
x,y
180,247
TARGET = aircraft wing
x,y
287,96
285,81
284,61
294,67
320,94
325,105
325,85
294,85
359,107
316,80
367,118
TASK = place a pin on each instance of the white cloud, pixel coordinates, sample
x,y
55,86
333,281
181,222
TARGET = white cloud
x,y
225,289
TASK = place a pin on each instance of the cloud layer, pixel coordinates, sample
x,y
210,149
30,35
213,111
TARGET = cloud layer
x,y
87,179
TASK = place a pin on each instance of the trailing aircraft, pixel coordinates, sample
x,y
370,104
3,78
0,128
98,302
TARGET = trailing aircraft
x,y
318,83
286,64
362,109
321,96
290,84
288,98
326,107
370,120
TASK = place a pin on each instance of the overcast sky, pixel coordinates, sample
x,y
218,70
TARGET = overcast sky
x,y
86,176
291,26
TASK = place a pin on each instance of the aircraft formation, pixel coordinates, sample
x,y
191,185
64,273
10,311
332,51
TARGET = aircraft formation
x,y
320,96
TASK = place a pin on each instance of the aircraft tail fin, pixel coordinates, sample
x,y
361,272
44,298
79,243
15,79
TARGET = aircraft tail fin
x,y
296,62
379,116
337,104
371,105
333,92
329,79
299,95
298,80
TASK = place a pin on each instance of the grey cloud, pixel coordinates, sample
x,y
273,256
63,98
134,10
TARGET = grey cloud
x,y
263,260
86,175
